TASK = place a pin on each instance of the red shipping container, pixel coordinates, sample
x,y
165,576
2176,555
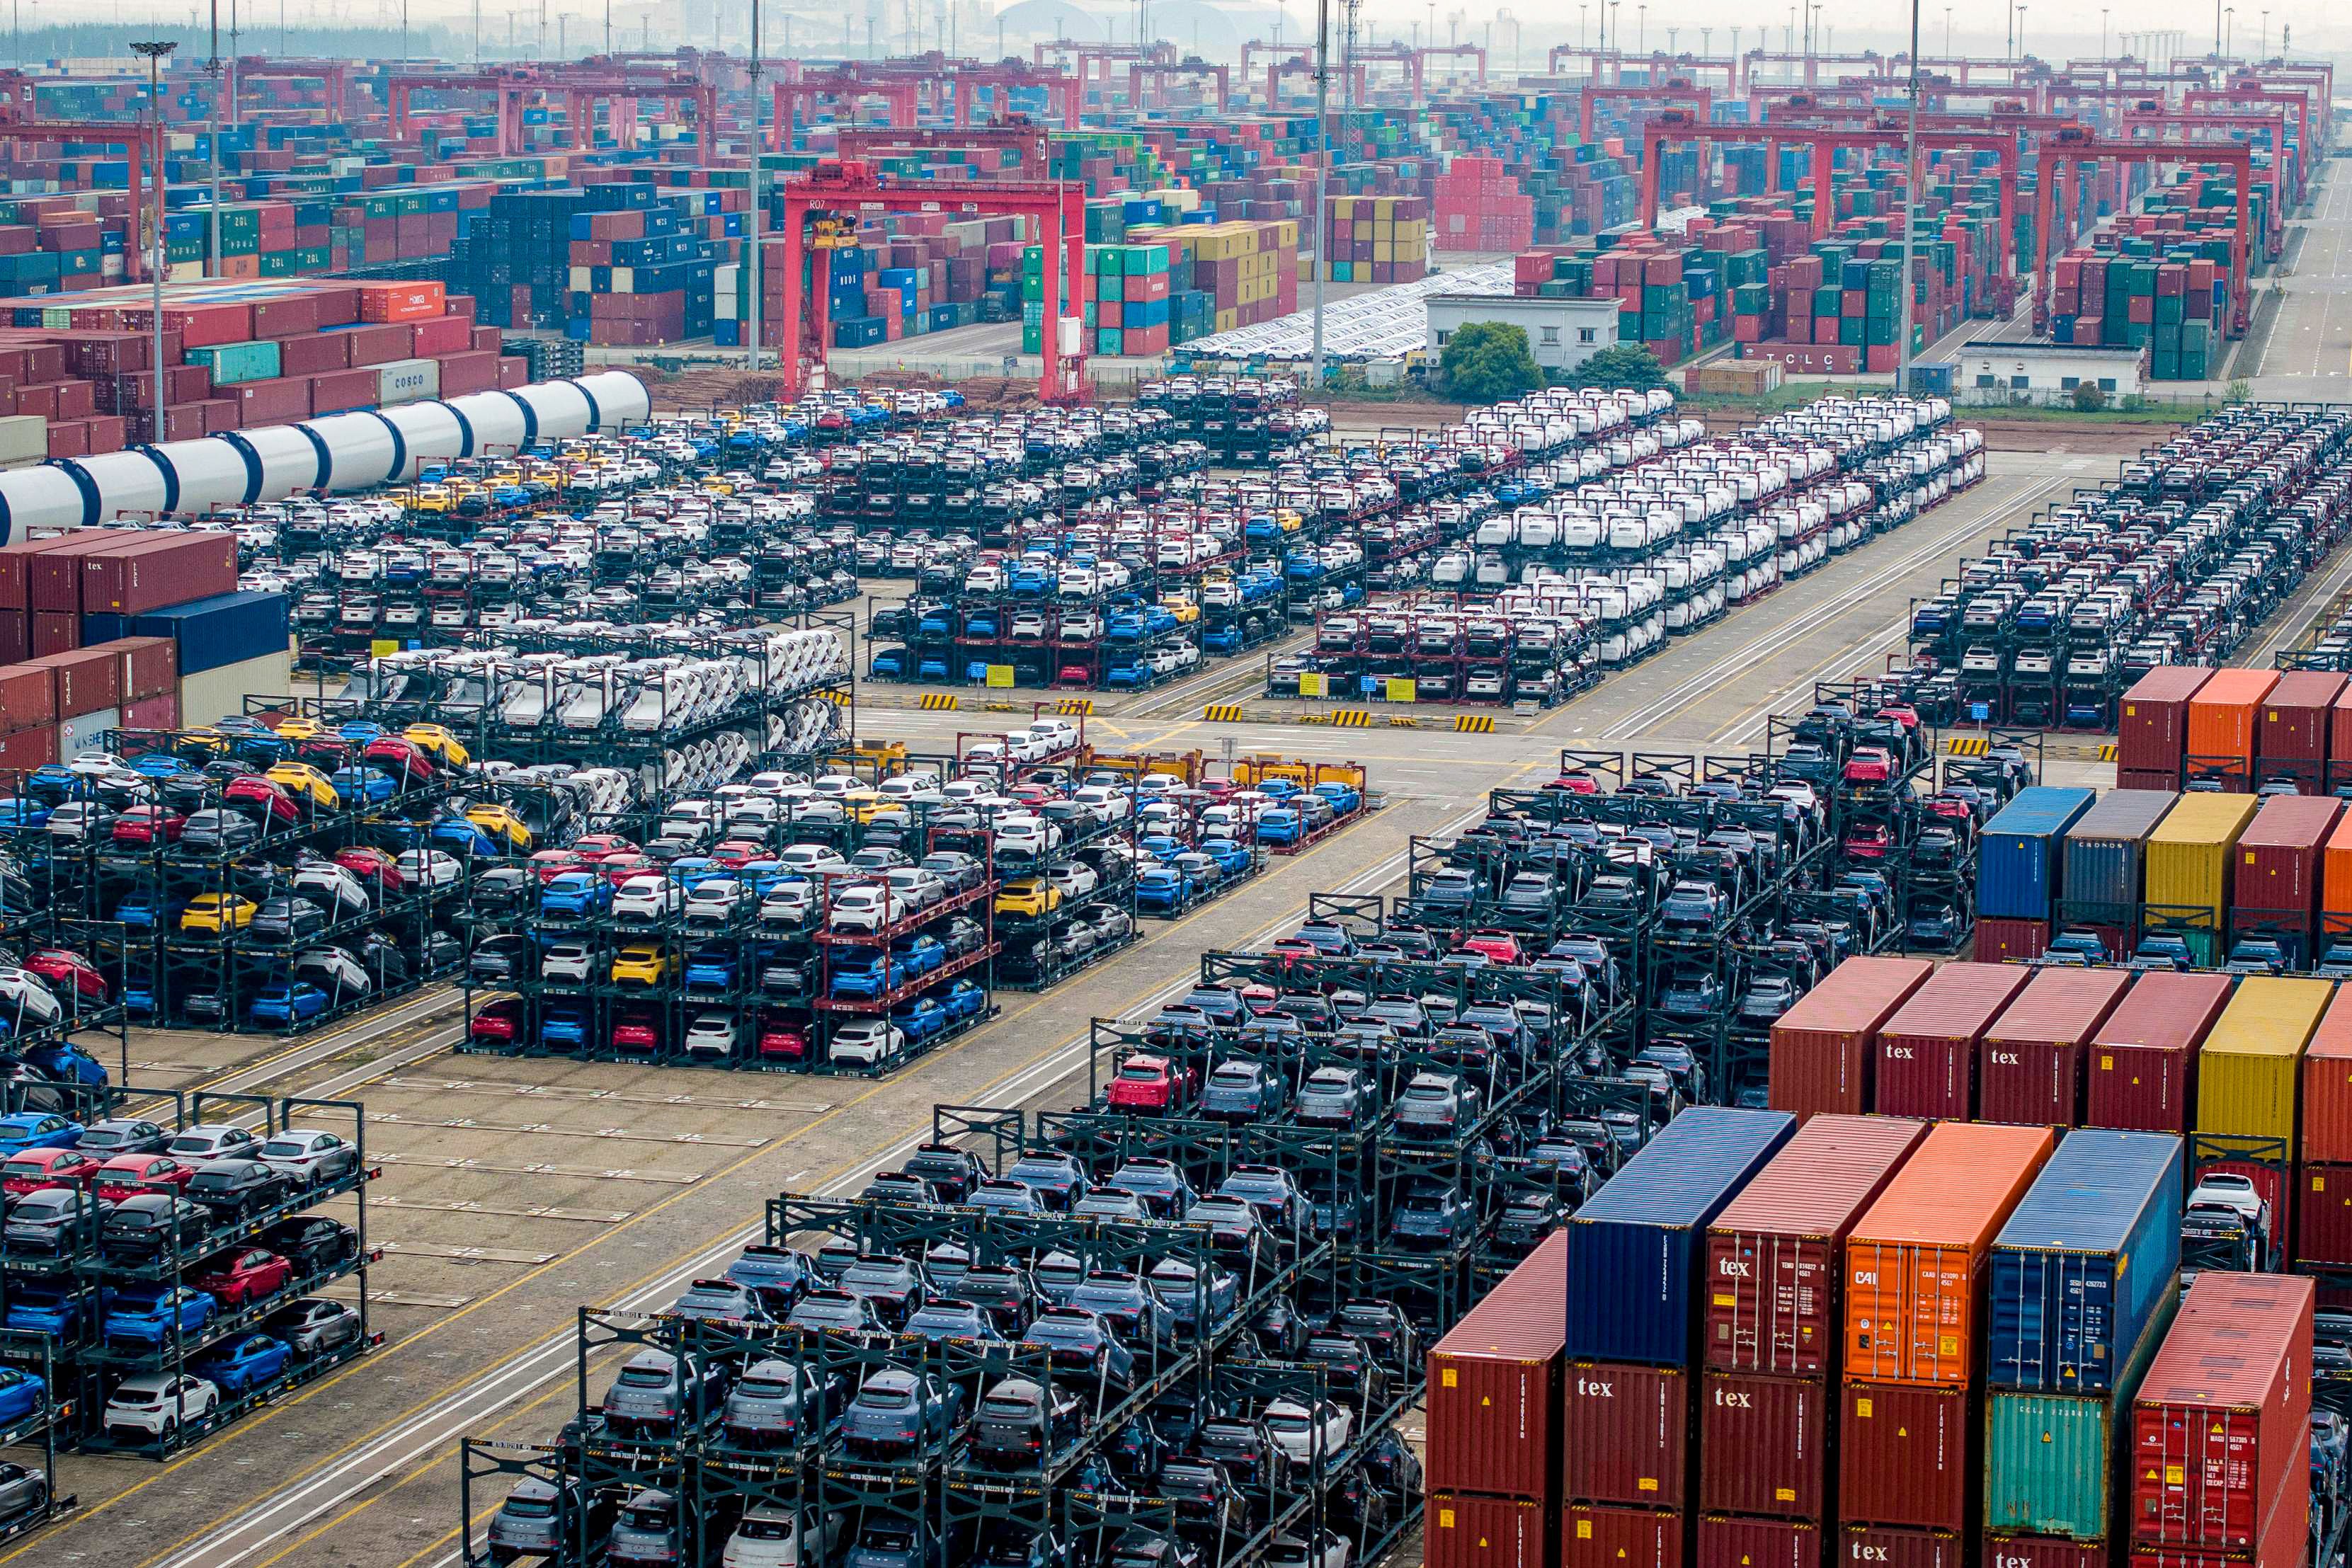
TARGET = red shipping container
x,y
2219,1428
1624,1433
28,697
151,666
55,632
2328,1085
1495,1385
2152,732
1727,1543
2030,1067
2323,1218
1600,1537
16,636
18,562
439,335
1472,1532
152,713
1926,1052
2144,1057
2274,875
1762,1444
1775,1255
27,749
2043,1552
1870,1546
1823,1047
1907,1454
88,680
153,573
314,354
2286,1541
2002,941
381,345
2293,728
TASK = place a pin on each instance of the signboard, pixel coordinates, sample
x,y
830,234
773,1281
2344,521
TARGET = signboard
x,y
1000,675
381,646
1400,689
1314,685
1979,713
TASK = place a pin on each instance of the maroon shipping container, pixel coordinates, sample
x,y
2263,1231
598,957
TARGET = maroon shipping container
x,y
2148,778
2339,739
1775,1255
2274,874
1494,1384
1907,1454
2144,1057
88,680
27,749
1727,1543
2010,941
314,354
2030,1066
2327,1086
2322,1218
2291,732
16,636
2286,1541
154,573
1873,1546
2152,729
51,569
28,697
1927,1052
2043,1552
1472,1532
151,666
1762,1444
1824,1046
1624,1432
55,634
1600,1537
152,713
2219,1428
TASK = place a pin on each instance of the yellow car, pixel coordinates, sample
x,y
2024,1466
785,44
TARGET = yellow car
x,y
217,913
300,728
1028,895
861,803
640,963
200,744
501,823
433,738
307,782
1181,606
429,498
1290,520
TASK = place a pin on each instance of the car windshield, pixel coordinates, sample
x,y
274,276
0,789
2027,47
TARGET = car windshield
x,y
280,1149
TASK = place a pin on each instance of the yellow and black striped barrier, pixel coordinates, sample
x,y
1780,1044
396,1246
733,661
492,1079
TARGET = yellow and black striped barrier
x,y
937,702
1352,718
2108,753
1965,746
1075,707
1222,712
1473,724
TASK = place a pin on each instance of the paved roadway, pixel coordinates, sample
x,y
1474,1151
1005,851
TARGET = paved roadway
x,y
2308,354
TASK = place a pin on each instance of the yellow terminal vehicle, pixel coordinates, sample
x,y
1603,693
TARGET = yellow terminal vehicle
x,y
216,914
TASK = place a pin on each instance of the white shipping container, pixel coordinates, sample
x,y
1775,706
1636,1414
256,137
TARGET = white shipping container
x,y
405,381
24,438
218,693
86,732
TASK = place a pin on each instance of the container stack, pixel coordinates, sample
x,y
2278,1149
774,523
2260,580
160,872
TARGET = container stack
x,y
1910,1427
1636,1280
1928,1050
1379,239
2030,1067
2275,874
1479,206
2224,714
2152,727
2187,864
2102,867
2018,868
2143,1058
2084,1284
1774,1341
1492,1467
2248,1072
1825,1047
2323,1232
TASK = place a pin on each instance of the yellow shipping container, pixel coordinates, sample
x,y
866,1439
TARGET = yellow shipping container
x,y
2251,1062
2188,856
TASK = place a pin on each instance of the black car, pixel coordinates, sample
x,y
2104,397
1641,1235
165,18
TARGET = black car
x,y
238,1189
285,920
953,1171
901,1413
1073,1337
311,1242
1246,1450
1205,1496
141,1227
1005,1293
893,1285
51,1222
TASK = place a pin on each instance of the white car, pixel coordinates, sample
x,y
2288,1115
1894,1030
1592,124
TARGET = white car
x,y
716,902
310,1157
566,961
1110,803
914,888
212,1141
814,859
26,1000
862,907
158,1404
775,1537
2228,1189
867,1042
788,905
646,900
430,868
1075,879
713,1034
1327,1551
1308,1436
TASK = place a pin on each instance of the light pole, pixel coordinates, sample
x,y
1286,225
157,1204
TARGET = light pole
x,y
2103,39
157,53
1322,177
758,196
213,219
2263,51
1642,27
1582,7
1948,32
1910,213
2229,28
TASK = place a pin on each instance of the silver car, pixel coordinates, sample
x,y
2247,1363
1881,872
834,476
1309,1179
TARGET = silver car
x,y
311,1157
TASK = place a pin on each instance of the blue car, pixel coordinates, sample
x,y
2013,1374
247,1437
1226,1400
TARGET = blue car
x,y
285,1002
21,1396
138,997
68,1063
964,999
244,1362
1163,890
43,1307
918,955
563,1029
710,968
919,1018
1279,825
1343,798
137,911
1225,639
23,814
464,839
866,976
146,1314
1231,858
1121,675
37,1130
574,894
889,664
366,786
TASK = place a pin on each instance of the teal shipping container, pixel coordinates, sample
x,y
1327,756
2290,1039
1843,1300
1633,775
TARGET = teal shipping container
x,y
232,364
2055,1463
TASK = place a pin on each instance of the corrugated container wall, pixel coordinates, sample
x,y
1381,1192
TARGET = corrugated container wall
x,y
1625,1434
2144,1057
1494,1384
2102,875
1595,1536
2030,1067
2152,732
2084,1263
2221,721
1727,1543
1775,1255
1637,1251
1928,1050
2018,858
2188,855
1764,1444
1878,1546
1486,1533
2248,1070
1908,1455
1823,1047
2339,739
1915,1263
2328,1085
2335,883
2276,870
2290,735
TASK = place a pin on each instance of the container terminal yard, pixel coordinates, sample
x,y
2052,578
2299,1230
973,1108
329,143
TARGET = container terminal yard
x,y
750,814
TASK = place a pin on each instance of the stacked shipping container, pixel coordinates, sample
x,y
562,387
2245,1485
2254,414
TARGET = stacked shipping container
x,y
1928,1050
1494,1404
1825,1047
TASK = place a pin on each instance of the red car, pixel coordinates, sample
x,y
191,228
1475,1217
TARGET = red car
x,y
146,824
619,868
1867,842
265,798
1149,1083
596,846
240,1276
636,1030
1903,714
1869,765
498,1021
1259,998
1576,784
734,855
552,863
324,752
126,1175
36,1168
404,759
784,1034
1033,794
66,969
373,866
1499,947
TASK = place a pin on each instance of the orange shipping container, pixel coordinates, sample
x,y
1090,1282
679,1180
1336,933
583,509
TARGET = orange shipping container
x,y
2328,1085
2221,724
1915,1263
2335,883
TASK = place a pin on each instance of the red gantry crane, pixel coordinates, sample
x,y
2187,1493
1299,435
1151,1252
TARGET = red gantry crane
x,y
1869,59
1191,66
511,84
1055,210
842,85
2062,151
1674,91
2161,122
141,142
1032,141
333,77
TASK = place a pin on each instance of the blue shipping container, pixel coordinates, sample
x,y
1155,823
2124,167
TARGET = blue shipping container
x,y
2084,1261
226,629
1637,1253
2017,859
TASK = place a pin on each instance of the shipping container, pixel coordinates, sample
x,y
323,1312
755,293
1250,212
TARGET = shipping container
x,y
2187,866
2010,941
156,572
2275,871
2152,735
2055,1463
1595,1535
2102,870
2323,1214
1637,1251
28,697
1908,1455
215,694
2144,1057
2223,718
1879,1546
2084,1263
87,681
2336,884
227,628
1725,1542
2326,1073
23,751
1471,1532
1915,1262
2285,1541
1763,1444
1823,1047
1494,1385
1775,1255
149,667
2339,739
2248,1070
1625,1433
1928,1050
19,557
2018,854
2291,738
2030,1064
2007,1550
2220,1428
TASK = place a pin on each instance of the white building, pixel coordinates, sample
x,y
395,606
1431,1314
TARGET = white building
x,y
2047,371
1561,333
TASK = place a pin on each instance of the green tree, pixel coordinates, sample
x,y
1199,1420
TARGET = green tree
x,y
1487,361
1621,366
2088,398
2239,390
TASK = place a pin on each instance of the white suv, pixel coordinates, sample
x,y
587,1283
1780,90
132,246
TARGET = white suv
x,y
157,1402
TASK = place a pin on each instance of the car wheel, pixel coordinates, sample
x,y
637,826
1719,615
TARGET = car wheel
x,y
170,1428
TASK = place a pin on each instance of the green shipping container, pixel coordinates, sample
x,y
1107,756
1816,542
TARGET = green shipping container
x,y
233,363
2053,1461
